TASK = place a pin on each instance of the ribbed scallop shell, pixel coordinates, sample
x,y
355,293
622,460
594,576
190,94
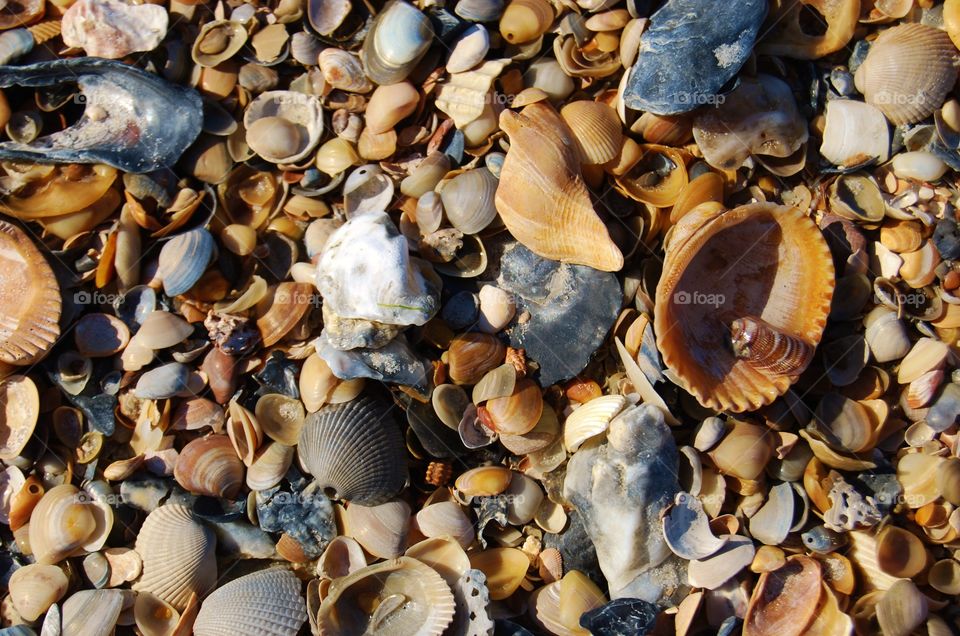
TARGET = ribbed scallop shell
x,y
30,298
356,450
908,72
210,466
265,603
542,198
178,555
759,260
597,130
426,609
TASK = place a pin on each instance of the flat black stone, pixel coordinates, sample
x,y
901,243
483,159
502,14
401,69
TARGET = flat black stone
x,y
621,617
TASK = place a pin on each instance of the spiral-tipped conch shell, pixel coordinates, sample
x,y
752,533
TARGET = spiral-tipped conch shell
x,y
742,302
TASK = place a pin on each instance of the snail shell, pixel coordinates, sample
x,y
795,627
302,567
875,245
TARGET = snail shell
x,y
264,603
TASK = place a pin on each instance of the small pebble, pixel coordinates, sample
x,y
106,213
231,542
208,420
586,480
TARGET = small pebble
x,y
461,310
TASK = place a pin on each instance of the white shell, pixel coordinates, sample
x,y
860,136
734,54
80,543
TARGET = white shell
x,y
92,612
113,29
591,419
381,530
714,571
34,588
855,132
469,50
300,109
686,529
269,466
446,518
265,603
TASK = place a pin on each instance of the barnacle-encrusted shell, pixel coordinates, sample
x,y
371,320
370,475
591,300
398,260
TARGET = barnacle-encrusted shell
x,y
30,297
907,73
787,281
264,603
178,555
355,449
402,596
542,198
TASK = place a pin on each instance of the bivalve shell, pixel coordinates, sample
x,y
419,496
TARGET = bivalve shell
x,y
210,466
92,612
398,38
468,200
381,529
34,588
597,129
65,522
591,419
785,601
283,126
20,403
446,518
264,603
472,355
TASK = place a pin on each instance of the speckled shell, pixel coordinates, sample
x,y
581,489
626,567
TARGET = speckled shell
x,y
178,555
542,198
356,450
30,297
760,260
908,72
265,603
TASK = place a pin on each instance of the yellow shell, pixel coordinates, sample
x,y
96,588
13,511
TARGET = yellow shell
x,y
759,260
787,37
525,20
542,198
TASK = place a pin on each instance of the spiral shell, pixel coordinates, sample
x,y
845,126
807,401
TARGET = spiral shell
x,y
355,449
265,603
210,466
178,556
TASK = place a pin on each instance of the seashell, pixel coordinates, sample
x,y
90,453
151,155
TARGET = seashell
x,y
154,616
855,132
469,49
112,29
257,79
92,612
100,335
283,126
34,588
944,576
525,20
785,600
269,466
291,302
210,466
686,529
21,408
525,497
445,518
918,165
948,480
24,501
380,529
342,70
66,521
178,556
744,452
900,553
450,402
280,417
504,568
908,72
590,420
472,355
218,41
517,413
848,422
163,382
267,602
712,572
183,259
398,38
424,178
771,524
444,555
355,451
402,596
597,130
31,300
342,556
468,200
336,156
389,104
466,96
497,309
788,37
499,382
926,355
886,335
196,413
244,432
901,609
316,383
542,151
479,10
690,327
484,481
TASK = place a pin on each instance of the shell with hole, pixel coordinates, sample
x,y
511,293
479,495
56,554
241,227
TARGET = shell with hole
x,y
737,342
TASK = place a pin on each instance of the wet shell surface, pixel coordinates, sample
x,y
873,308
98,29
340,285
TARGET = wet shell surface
x,y
178,555
787,283
355,450
268,603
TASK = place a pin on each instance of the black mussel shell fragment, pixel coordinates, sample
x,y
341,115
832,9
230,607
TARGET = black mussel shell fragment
x,y
946,237
576,548
434,436
304,514
571,307
685,61
98,410
279,375
134,120
503,627
217,510
621,617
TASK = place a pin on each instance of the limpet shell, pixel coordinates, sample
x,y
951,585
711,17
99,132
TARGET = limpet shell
x,y
267,603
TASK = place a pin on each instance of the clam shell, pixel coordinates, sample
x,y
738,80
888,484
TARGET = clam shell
x,y
21,408
686,529
218,41
409,597
423,179
398,38
92,612
908,72
178,556
468,200
692,308
446,518
380,529
785,600
355,450
902,609
484,481
524,497
472,355
342,69
210,466
291,302
183,260
316,382
30,296
854,132
264,603
469,49
64,522
443,554
504,568
281,417
788,37
517,413
591,419
154,616
113,29
269,466
556,219
244,432
597,129
712,572
297,116
900,553
342,556
34,588
944,576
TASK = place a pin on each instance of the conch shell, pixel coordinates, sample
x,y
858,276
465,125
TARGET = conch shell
x,y
542,198
742,302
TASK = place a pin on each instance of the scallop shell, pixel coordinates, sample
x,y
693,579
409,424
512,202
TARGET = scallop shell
x,y
908,72
21,408
264,603
178,556
298,115
787,282
355,450
30,296
343,70
785,600
597,129
92,612
398,38
65,522
591,419
210,466
468,200
408,596
542,198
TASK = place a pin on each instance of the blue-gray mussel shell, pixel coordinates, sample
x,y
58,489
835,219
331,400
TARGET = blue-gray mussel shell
x,y
690,50
134,120
398,39
355,450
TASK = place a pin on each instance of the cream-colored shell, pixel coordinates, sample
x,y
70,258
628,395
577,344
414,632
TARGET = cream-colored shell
x,y
264,603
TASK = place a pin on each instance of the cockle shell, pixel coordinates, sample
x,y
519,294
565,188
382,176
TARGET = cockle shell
x,y
355,450
264,603
908,72
542,198
30,297
67,521
34,588
787,282
398,38
210,466
596,128
402,596
178,556
113,29
468,200
342,69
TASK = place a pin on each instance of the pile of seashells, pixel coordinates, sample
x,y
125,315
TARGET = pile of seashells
x,y
480,317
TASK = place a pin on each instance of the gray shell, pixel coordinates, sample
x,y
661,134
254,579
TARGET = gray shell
x,y
355,449
265,603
